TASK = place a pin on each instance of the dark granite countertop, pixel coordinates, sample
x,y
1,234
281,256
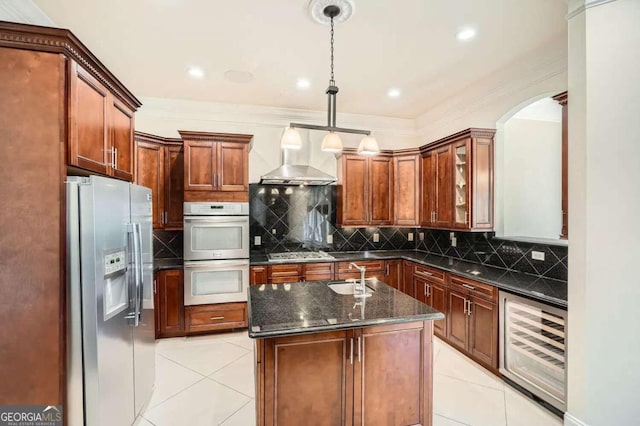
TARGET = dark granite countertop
x,y
312,307
542,289
164,264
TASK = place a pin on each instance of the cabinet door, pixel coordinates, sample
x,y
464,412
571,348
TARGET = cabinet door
x,y
200,158
232,168
149,173
394,274
461,184
88,122
173,187
481,213
483,332
457,320
408,278
421,287
428,202
438,299
258,275
308,377
122,128
171,302
354,192
400,396
406,172
381,190
444,187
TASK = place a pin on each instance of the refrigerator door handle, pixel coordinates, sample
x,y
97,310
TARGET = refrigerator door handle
x,y
137,255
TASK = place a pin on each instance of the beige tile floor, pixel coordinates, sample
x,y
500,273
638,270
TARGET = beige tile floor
x,y
208,380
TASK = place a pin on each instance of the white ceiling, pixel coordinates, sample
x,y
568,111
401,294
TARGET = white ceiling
x,y
408,44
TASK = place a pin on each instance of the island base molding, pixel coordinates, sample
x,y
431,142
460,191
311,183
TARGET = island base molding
x,y
377,375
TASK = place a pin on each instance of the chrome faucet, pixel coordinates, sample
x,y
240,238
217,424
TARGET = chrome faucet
x,y
363,270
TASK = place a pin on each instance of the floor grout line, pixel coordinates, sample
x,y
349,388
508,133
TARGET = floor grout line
x,y
229,387
173,396
469,381
452,419
234,413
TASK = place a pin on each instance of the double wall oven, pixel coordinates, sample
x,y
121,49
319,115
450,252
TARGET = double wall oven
x,y
216,252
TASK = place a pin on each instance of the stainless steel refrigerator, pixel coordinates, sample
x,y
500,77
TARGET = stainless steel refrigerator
x,y
110,322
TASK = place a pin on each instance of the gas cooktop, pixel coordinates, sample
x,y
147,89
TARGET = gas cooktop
x,y
299,255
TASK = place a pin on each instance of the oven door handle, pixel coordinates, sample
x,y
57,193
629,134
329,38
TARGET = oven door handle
x,y
214,264
217,219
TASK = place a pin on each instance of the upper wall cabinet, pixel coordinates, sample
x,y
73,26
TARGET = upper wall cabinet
x,y
160,167
365,190
406,171
457,181
101,126
216,166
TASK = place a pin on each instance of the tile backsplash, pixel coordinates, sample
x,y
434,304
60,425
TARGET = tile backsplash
x,y
167,244
288,218
485,249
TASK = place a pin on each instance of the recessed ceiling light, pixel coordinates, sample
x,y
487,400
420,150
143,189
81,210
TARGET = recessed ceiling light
x,y
236,76
303,83
393,93
466,34
196,72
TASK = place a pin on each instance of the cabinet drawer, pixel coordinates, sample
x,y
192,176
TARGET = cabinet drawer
x,y
371,265
285,279
428,273
318,268
215,317
286,270
474,288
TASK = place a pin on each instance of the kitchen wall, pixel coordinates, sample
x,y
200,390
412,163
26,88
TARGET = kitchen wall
x,y
288,218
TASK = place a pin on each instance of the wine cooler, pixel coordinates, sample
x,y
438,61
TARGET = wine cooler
x,y
533,347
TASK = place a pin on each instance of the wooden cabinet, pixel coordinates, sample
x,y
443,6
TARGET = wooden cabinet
x,y
101,127
159,166
394,274
216,166
375,269
220,316
291,273
170,303
472,320
408,287
365,190
430,288
457,181
348,379
406,192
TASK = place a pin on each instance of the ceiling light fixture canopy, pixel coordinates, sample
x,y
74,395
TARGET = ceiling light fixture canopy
x,y
332,141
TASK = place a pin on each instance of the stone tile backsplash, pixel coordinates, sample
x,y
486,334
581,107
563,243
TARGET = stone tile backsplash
x,y
290,218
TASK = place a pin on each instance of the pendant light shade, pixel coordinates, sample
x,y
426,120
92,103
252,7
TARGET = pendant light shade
x,y
368,146
291,139
332,143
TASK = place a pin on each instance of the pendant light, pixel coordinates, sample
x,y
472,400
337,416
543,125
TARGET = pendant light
x,y
340,11
291,139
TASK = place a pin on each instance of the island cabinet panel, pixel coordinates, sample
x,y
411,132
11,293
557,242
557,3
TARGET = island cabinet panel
x,y
400,393
379,375
307,377
170,303
406,170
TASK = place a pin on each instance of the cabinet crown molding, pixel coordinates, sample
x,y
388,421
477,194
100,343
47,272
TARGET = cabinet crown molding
x,y
63,41
215,137
148,137
468,133
561,98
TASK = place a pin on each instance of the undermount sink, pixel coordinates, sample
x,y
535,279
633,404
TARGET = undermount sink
x,y
346,288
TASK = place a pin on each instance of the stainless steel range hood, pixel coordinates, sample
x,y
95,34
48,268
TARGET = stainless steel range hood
x,y
295,170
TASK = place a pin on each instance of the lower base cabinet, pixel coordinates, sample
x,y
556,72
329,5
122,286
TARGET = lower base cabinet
x,y
221,316
169,303
372,376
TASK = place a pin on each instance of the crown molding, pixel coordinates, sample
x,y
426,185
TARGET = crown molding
x,y
24,12
579,6
148,137
188,135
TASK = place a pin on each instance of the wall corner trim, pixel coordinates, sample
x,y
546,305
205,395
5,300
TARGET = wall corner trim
x,y
587,5
570,420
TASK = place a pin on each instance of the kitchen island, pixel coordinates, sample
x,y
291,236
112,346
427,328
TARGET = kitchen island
x,y
324,358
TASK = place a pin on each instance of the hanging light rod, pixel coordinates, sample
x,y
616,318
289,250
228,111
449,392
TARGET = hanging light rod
x,y
335,11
